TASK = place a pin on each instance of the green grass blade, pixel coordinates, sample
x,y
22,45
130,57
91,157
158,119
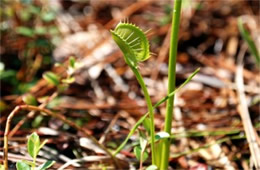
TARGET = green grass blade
x,y
196,133
246,36
207,146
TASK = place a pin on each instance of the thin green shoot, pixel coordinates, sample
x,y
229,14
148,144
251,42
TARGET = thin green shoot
x,y
246,36
236,137
140,121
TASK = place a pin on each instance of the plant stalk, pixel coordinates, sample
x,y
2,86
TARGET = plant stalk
x,y
150,109
155,106
171,82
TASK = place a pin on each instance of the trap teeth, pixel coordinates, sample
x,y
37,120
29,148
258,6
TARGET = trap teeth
x,y
132,41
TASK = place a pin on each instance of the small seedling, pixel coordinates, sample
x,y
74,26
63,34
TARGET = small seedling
x,y
33,146
63,83
140,150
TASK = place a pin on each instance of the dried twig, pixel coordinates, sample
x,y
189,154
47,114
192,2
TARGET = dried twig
x,y
48,112
84,159
112,123
30,115
244,113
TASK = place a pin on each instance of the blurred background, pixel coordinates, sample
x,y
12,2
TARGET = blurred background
x,y
59,55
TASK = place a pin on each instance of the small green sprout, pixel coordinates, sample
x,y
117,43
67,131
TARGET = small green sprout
x,y
33,146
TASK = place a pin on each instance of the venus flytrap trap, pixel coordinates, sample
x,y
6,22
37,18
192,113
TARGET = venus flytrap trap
x,y
133,43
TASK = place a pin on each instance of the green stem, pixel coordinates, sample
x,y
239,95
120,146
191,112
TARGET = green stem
x,y
150,108
34,163
171,82
140,121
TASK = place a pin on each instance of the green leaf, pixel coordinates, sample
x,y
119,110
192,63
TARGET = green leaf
x,y
37,121
72,62
246,36
43,143
162,135
45,165
143,141
33,145
151,167
25,31
22,166
28,162
52,78
29,99
8,75
138,153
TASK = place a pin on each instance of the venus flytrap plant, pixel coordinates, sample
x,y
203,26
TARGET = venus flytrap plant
x,y
135,47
